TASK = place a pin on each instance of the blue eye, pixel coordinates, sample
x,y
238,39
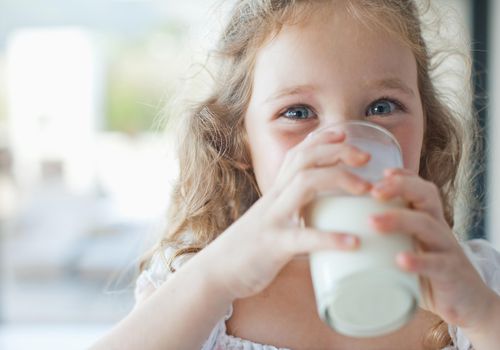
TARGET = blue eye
x,y
298,113
382,107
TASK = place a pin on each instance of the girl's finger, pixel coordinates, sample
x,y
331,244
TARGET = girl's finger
x,y
313,140
309,183
300,153
306,240
437,266
327,155
399,171
419,194
421,225
317,138
321,156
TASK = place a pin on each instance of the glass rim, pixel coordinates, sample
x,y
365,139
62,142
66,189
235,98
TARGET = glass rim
x,y
363,123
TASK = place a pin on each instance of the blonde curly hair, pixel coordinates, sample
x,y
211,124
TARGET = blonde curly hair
x,y
216,184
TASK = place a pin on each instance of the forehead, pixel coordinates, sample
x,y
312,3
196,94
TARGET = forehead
x,y
332,45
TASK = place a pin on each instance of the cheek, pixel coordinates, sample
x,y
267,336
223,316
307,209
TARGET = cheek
x,y
410,140
268,148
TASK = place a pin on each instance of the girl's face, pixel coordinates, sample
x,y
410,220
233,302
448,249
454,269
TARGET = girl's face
x,y
326,70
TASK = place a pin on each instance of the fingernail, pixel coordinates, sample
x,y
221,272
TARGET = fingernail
x,y
349,240
377,219
405,261
316,133
363,187
380,187
332,133
401,259
363,156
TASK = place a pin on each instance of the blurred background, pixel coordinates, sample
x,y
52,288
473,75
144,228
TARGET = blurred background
x,y
86,164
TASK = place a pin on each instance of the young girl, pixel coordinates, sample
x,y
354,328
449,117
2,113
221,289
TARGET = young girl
x,y
226,275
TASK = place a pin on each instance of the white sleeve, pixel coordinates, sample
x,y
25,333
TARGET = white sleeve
x,y
156,274
486,260
153,276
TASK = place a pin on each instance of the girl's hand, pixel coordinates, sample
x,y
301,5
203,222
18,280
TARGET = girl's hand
x,y
450,285
250,253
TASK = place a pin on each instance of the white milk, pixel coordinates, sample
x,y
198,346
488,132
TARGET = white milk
x,y
361,293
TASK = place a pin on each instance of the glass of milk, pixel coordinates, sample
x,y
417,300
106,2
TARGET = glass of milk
x,y
362,293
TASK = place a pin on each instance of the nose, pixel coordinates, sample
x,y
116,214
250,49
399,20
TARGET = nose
x,y
341,106
338,116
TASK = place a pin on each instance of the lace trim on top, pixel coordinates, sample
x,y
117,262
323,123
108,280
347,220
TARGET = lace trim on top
x,y
220,340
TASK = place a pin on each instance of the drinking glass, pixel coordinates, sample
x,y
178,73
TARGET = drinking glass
x,y
362,293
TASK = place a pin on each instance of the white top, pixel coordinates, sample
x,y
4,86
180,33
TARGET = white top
x,y
482,255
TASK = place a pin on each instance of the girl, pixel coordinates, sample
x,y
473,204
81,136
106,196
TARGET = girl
x,y
248,167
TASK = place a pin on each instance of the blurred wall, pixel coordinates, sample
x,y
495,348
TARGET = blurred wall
x,y
493,223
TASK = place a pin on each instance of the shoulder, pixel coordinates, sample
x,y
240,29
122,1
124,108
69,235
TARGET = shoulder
x,y
486,260
157,272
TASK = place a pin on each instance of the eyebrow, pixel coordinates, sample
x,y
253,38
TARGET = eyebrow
x,y
393,84
290,91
